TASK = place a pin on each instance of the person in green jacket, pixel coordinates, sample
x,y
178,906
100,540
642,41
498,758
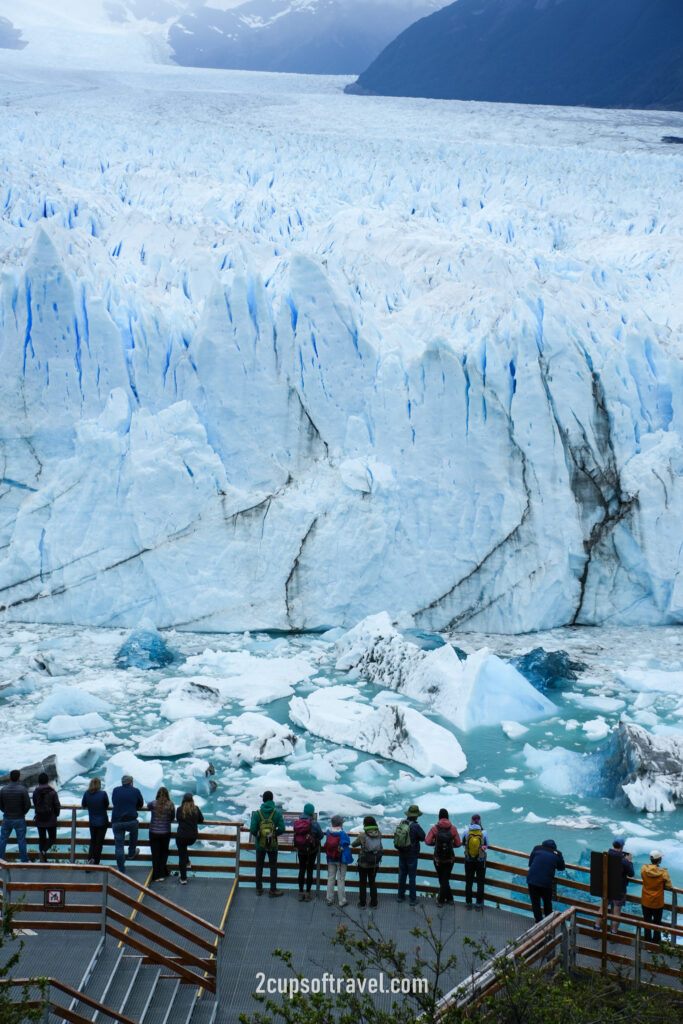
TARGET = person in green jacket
x,y
266,825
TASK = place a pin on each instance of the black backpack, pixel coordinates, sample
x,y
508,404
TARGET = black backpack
x,y
42,801
443,846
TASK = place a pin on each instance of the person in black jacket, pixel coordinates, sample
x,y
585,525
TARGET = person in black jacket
x,y
188,817
15,805
47,806
408,857
96,801
126,802
544,861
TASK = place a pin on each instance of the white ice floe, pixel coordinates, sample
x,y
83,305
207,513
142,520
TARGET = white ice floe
x,y
392,731
482,690
268,740
595,703
182,737
251,680
148,776
69,700
513,730
455,801
560,770
291,795
188,699
64,727
596,728
579,821
658,680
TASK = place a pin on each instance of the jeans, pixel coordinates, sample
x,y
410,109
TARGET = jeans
x,y
407,869
46,837
17,825
272,865
368,880
538,893
307,861
474,871
336,872
97,834
443,872
159,844
653,915
120,828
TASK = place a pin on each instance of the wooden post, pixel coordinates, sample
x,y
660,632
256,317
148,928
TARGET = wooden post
x,y
603,944
674,917
317,872
72,852
636,964
103,916
238,841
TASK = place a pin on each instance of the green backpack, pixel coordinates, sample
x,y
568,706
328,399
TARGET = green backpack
x,y
402,835
267,836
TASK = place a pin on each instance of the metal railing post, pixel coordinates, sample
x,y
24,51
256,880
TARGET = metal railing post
x,y
72,851
636,965
219,961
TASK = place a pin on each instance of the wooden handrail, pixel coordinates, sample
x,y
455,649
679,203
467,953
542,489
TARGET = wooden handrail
x,y
73,993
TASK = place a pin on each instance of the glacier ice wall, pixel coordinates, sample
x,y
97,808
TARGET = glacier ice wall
x,y
273,358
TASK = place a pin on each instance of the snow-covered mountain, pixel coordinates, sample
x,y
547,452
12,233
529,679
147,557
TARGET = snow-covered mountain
x,y
308,36
274,356
597,53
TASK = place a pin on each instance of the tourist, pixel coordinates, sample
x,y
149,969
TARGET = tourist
x,y
189,817
475,844
47,807
407,839
337,849
126,802
266,825
162,815
655,881
307,838
444,838
96,801
616,905
15,805
544,861
369,857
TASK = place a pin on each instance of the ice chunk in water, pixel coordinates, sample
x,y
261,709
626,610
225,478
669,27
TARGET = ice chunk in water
x,y
69,700
64,727
145,648
547,670
180,738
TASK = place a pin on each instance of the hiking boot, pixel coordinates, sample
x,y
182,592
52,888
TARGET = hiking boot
x,y
43,858
343,904
362,905
478,906
308,897
374,904
301,897
275,892
400,899
468,906
183,881
439,901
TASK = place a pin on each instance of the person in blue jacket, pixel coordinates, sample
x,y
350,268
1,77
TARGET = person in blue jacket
x,y
544,861
96,801
126,801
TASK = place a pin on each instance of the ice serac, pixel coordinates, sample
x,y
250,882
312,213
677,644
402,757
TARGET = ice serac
x,y
394,731
482,690
650,767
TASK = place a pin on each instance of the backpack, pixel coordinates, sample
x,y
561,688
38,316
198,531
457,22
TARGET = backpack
x,y
475,841
267,836
332,846
402,835
371,852
443,846
304,840
43,804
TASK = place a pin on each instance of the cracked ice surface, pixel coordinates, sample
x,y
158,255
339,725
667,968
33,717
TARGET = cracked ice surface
x,y
277,357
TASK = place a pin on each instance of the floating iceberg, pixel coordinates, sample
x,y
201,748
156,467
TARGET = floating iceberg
x,y
148,776
145,648
393,731
69,700
656,680
64,727
482,690
547,670
248,679
181,737
270,740
188,699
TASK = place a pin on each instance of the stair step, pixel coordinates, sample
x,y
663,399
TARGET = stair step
x,y
205,1010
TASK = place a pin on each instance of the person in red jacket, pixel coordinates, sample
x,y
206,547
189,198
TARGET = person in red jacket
x,y
445,839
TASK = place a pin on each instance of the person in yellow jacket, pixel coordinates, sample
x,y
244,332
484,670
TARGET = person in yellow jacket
x,y
655,881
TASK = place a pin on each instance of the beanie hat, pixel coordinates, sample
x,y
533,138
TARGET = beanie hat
x,y
337,821
443,813
267,796
309,810
476,819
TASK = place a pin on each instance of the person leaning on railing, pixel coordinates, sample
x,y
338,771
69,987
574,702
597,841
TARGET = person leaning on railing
x,y
15,805
189,817
162,811
544,861
96,801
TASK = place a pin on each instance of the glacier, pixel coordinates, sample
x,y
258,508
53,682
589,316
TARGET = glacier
x,y
276,357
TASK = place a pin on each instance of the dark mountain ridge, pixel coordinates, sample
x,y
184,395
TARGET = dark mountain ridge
x,y
596,53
